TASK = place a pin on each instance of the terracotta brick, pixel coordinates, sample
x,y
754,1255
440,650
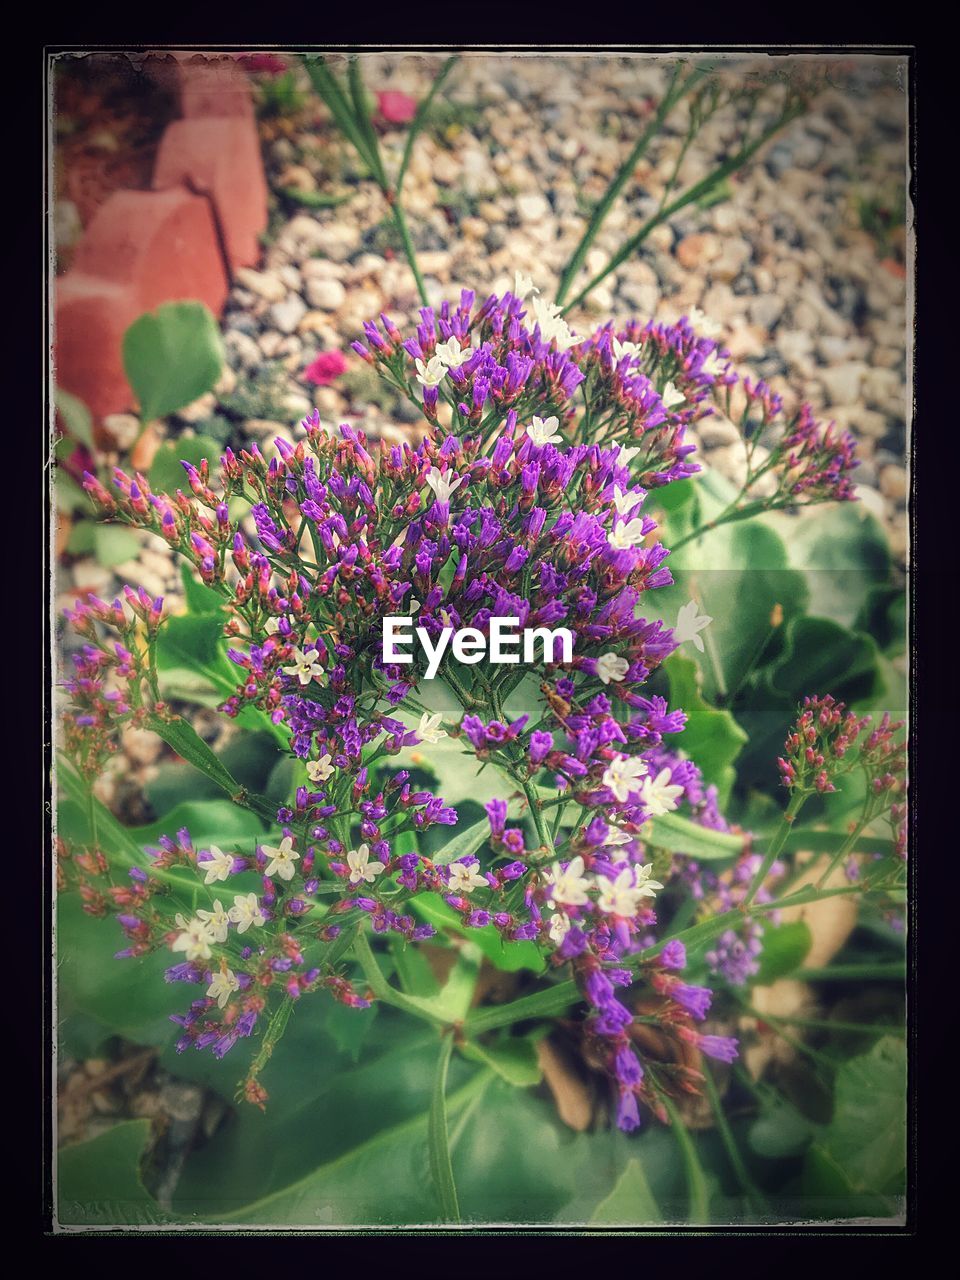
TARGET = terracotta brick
x,y
141,249
220,157
214,85
164,243
91,317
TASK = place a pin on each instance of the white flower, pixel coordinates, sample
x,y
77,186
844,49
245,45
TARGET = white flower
x,y
657,795
320,770
564,338
305,666
621,349
690,621
451,354
245,912
559,927
282,859
217,921
611,667
272,626
544,430
218,867
464,879
361,869
709,328
223,986
615,837
523,286
622,896
627,534
625,502
428,729
441,486
625,456
622,775
671,396
568,887
713,364
194,940
432,373
553,328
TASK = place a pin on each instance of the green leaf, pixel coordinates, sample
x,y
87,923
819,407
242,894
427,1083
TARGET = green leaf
x,y
172,356
844,553
188,744
780,1131
513,1058
785,948
98,1182
678,834
508,956
193,642
715,737
453,1000
112,544
167,474
76,417
630,1203
438,1139
463,844
200,597
820,656
70,496
81,540
218,821
857,1166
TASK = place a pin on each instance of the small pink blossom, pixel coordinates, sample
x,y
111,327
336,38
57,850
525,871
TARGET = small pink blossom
x,y
396,107
327,367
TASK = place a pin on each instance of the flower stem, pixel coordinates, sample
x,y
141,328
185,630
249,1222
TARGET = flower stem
x,y
438,1138
776,844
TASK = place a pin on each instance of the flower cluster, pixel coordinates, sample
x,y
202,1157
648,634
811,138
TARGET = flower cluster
x,y
527,505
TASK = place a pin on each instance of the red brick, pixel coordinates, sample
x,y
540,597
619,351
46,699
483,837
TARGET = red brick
x,y
220,157
212,85
142,248
92,315
164,243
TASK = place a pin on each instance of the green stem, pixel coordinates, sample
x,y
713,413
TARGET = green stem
x,y
696,1182
758,1202
696,192
776,844
409,252
438,1138
382,989
675,92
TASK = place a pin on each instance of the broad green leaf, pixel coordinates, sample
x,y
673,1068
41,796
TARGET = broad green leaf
x,y
714,736
630,1203
780,1131
172,356
216,821
76,417
844,554
513,1058
821,656
464,843
112,544
509,956
82,538
785,948
167,474
454,998
200,597
857,1165
678,834
98,1181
